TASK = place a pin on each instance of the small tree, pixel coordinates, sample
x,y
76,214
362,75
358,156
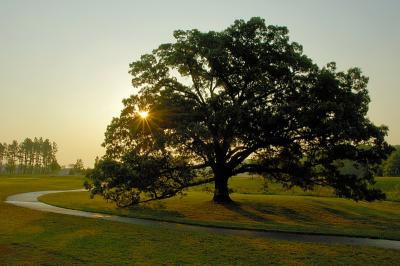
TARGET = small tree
x,y
77,168
3,150
209,102
391,166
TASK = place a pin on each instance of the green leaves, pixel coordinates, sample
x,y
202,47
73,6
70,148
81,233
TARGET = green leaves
x,y
391,166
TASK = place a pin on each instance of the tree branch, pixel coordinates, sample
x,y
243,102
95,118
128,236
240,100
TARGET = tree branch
x,y
240,156
174,193
255,168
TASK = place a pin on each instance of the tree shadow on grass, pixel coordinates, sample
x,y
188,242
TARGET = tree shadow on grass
x,y
260,209
364,218
236,207
156,210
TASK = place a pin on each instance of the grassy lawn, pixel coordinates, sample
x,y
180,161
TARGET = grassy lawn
x,y
246,184
391,186
268,212
283,212
30,237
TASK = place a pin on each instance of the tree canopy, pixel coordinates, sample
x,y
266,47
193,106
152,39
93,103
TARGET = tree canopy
x,y
245,99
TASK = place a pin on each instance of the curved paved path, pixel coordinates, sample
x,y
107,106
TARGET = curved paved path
x,y
30,200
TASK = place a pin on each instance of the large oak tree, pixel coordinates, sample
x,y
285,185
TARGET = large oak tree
x,y
216,104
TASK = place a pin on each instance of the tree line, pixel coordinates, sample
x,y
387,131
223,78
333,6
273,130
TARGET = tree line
x,y
31,156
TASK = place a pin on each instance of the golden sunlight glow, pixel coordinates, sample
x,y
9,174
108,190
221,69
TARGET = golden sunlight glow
x,y
143,114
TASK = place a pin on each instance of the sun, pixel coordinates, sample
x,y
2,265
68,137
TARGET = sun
x,y
143,114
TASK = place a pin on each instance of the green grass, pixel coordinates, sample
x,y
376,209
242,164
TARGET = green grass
x,y
29,237
391,186
247,184
264,212
256,208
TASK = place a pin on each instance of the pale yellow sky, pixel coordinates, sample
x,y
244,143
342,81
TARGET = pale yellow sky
x,y
64,64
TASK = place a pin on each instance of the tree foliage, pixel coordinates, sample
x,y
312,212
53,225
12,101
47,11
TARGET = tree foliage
x,y
77,168
391,167
245,99
30,156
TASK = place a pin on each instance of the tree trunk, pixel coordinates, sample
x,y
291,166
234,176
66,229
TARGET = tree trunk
x,y
221,192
